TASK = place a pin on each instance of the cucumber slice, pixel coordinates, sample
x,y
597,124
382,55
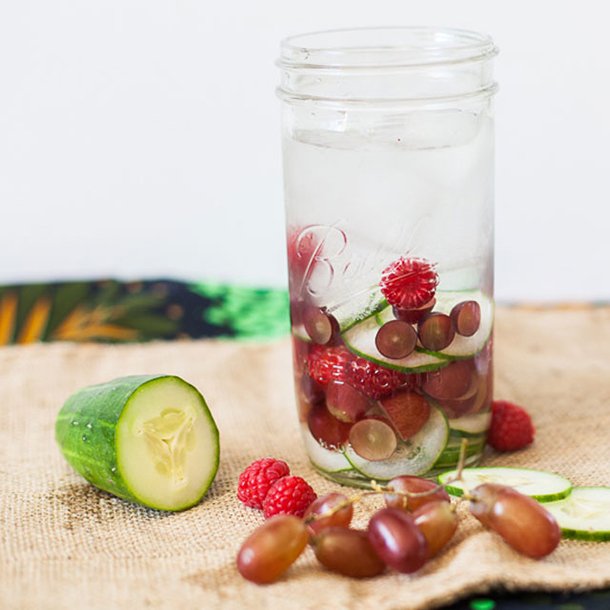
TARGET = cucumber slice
x,y
584,514
451,455
322,458
357,308
415,456
465,347
360,340
468,425
538,484
300,333
150,439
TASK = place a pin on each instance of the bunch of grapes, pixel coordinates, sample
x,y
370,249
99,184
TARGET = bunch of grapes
x,y
417,522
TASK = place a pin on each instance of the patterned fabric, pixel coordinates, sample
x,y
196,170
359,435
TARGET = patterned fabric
x,y
112,311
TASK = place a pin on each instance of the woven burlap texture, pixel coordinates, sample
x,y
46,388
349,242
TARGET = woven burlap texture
x,y
67,545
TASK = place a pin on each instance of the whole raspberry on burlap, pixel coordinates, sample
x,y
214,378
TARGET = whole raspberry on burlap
x,y
288,496
511,427
255,481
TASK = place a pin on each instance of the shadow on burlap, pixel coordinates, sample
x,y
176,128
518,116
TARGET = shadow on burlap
x,y
65,544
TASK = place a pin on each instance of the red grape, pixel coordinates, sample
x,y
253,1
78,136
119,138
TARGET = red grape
x,y
456,381
416,485
345,402
522,522
373,439
348,552
413,316
320,325
396,339
300,350
322,505
436,331
473,404
437,521
408,412
296,311
396,539
466,318
309,393
326,429
272,548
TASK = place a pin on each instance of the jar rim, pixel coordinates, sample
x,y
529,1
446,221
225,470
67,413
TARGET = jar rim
x,y
393,47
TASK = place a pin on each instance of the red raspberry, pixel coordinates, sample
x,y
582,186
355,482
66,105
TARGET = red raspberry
x,y
373,380
255,481
327,363
288,496
409,283
511,427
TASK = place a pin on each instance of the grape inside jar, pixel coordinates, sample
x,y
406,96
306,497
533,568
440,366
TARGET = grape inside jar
x,y
388,176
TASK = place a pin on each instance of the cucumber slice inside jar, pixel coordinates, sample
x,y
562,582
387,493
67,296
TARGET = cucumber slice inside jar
x,y
327,460
465,347
358,308
584,514
416,456
538,484
360,340
150,439
471,425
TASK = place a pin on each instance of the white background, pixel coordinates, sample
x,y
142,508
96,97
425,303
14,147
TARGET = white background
x,y
141,138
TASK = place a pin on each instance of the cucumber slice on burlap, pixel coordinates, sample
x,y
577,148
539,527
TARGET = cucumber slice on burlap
x,y
538,484
150,439
584,514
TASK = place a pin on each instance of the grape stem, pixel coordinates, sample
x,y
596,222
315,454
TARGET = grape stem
x,y
377,489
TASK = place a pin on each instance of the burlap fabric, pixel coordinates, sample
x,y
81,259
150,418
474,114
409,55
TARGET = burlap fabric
x,y
66,545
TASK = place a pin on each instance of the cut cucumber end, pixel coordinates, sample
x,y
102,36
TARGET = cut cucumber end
x,y
167,445
416,456
149,439
538,484
584,514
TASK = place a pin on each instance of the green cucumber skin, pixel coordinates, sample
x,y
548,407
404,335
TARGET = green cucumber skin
x,y
374,311
89,445
583,535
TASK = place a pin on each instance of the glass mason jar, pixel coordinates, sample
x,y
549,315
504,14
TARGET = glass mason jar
x,y
388,171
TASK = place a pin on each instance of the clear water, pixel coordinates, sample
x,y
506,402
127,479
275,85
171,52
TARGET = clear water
x,y
417,186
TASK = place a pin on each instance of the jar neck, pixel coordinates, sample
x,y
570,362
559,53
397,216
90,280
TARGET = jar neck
x,y
386,65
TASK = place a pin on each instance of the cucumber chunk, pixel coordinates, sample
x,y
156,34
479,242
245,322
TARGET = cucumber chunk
x,y
360,339
416,456
465,347
322,458
150,439
584,514
538,484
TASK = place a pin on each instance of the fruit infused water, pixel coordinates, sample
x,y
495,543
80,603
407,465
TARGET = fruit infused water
x,y
388,174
